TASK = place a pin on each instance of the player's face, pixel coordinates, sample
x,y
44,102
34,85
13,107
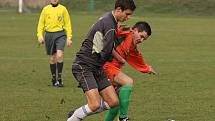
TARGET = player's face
x,y
139,37
123,15
54,2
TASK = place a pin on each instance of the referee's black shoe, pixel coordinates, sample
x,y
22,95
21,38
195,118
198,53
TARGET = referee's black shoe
x,y
54,82
60,82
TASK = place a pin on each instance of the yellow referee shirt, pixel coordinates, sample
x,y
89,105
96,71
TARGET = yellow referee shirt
x,y
53,19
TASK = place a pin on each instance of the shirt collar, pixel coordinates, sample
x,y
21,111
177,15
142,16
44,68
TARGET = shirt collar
x,y
114,18
54,5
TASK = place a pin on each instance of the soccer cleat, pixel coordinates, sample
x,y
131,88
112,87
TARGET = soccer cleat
x,y
123,119
71,113
54,82
60,82
71,117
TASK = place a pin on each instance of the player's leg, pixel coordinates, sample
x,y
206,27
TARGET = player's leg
x,y
111,114
60,44
106,89
123,106
108,93
93,104
110,96
124,93
87,81
51,51
59,67
52,62
111,71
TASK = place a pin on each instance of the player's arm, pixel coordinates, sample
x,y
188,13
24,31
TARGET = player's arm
x,y
109,34
151,70
118,57
136,60
40,27
68,27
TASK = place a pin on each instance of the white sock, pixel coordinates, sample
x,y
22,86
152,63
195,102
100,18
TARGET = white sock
x,y
80,113
73,118
85,111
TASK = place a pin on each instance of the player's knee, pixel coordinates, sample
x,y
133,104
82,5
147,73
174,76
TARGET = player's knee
x,y
60,55
52,59
113,103
60,58
130,81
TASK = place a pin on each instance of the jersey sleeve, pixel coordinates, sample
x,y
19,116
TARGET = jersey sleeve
x,y
108,41
67,25
41,25
136,60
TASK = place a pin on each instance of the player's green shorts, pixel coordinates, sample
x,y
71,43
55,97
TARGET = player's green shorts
x,y
55,41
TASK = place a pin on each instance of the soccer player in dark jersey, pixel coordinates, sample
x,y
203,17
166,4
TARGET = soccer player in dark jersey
x,y
55,23
126,47
88,65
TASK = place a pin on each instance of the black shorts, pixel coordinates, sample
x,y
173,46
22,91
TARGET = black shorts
x,y
55,41
90,78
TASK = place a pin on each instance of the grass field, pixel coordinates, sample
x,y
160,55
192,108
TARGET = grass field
x,y
181,49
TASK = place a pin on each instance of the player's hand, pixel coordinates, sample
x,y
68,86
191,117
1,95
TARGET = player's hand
x,y
69,43
152,71
40,41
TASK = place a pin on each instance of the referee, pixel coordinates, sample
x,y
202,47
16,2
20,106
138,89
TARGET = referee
x,y
54,29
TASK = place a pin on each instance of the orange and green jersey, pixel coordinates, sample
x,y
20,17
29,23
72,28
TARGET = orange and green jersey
x,y
54,19
127,50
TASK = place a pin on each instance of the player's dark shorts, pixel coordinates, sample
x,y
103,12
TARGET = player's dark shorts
x,y
55,41
90,78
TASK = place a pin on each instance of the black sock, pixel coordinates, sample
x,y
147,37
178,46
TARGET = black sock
x,y
53,70
59,69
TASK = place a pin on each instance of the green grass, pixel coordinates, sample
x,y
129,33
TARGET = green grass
x,y
181,50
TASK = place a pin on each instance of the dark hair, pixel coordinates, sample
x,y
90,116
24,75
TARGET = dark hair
x,y
143,26
125,4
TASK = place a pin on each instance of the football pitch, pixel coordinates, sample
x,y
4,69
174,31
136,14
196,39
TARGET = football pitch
x,y
181,50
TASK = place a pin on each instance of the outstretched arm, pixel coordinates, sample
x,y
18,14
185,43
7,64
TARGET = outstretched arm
x,y
136,60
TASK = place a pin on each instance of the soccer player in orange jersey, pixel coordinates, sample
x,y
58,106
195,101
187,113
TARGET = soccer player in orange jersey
x,y
126,47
